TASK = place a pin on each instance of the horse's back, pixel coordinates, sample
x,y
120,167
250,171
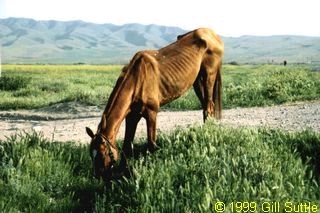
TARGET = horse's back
x,y
167,73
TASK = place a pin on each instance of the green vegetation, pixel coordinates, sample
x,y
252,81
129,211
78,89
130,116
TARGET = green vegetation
x,y
37,175
50,84
260,85
269,85
13,83
35,86
194,168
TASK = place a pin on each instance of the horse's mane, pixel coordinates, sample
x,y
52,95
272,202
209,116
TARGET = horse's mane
x,y
119,84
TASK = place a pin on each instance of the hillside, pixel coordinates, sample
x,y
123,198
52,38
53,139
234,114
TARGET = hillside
x,y
30,41
268,49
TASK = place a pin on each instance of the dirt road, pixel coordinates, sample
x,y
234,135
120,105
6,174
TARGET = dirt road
x,y
67,121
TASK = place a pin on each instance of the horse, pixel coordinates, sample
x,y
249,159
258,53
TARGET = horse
x,y
152,79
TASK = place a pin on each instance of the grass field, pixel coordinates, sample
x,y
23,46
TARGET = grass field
x,y
194,169
35,86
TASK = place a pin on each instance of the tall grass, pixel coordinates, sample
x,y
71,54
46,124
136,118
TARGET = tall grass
x,y
273,85
35,86
193,169
40,176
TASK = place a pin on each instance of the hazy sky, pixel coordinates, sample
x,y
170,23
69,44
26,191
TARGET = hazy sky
x,y
227,17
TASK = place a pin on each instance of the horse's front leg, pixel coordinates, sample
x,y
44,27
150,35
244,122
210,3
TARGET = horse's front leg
x,y
132,120
198,87
151,118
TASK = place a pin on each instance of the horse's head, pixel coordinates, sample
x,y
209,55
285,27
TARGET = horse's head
x,y
103,154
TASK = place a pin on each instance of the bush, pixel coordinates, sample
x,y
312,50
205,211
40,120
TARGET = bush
x,y
288,85
87,97
13,83
55,87
234,63
27,92
243,95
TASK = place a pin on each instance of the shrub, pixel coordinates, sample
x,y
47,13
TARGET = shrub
x,y
243,95
55,87
288,85
234,63
13,83
27,92
82,96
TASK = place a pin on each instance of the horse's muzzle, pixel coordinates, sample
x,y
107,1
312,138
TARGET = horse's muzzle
x,y
97,173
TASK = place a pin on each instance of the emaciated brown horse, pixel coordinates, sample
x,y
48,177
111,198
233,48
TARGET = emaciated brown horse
x,y
152,79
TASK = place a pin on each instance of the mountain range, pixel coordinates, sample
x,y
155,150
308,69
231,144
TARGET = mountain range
x,y
30,41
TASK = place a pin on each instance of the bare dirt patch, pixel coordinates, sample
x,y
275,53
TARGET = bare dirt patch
x,y
67,121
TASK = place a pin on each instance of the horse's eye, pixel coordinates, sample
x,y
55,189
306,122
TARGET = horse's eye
x,y
99,140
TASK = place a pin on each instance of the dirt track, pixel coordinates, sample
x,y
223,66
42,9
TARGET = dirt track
x,y
64,122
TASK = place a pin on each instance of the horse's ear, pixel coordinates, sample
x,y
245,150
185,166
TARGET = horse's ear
x,y
89,132
199,39
183,35
201,43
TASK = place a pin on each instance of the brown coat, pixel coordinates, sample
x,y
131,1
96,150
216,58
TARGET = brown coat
x,y
156,77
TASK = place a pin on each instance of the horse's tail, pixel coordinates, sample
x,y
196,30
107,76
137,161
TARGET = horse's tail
x,y
217,93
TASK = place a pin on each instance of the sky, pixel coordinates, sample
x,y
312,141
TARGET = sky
x,y
226,17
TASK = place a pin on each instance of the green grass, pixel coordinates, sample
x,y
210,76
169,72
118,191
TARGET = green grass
x,y
35,86
41,176
50,84
260,85
194,168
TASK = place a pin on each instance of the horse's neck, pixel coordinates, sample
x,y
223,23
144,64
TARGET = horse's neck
x,y
113,121
115,112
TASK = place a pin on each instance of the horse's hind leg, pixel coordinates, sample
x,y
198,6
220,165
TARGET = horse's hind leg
x,y
208,84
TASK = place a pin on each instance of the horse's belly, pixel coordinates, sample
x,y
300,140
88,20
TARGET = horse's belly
x,y
171,89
